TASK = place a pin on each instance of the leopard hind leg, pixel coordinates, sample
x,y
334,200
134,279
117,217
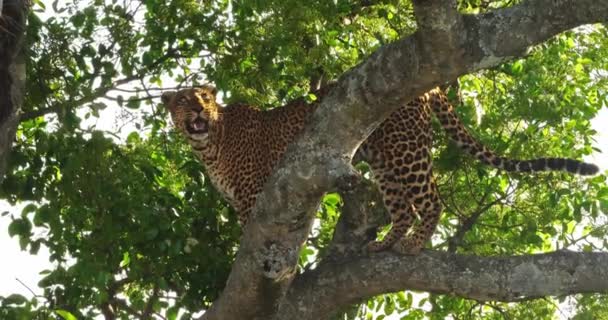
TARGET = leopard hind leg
x,y
401,213
428,206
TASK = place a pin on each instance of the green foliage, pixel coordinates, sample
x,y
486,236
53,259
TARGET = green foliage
x,y
128,214
123,210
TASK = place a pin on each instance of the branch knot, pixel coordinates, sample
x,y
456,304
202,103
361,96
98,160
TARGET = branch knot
x,y
277,261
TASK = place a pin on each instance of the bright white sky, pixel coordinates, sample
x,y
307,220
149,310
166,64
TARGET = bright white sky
x,y
18,264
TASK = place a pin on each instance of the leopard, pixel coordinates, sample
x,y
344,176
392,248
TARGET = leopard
x,y
240,145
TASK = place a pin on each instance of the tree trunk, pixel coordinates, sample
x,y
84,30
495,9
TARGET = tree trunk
x,y
12,73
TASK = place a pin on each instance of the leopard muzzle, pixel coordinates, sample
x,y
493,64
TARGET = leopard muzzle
x,y
197,126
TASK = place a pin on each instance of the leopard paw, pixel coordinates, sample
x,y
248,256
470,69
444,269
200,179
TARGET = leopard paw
x,y
408,247
374,246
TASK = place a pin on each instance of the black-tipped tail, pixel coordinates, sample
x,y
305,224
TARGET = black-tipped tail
x,y
588,169
459,134
547,164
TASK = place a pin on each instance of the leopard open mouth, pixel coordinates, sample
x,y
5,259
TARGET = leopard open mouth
x,y
197,126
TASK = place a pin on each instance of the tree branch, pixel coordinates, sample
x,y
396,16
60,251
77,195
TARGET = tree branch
x,y
360,216
508,33
468,223
99,92
109,306
515,278
147,312
266,262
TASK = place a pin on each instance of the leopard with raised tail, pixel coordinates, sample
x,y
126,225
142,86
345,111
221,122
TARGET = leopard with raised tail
x,y
240,145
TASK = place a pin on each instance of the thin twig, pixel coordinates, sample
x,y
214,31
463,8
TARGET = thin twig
x,y
28,288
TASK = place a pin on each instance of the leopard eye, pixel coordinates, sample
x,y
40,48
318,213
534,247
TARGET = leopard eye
x,y
205,97
182,100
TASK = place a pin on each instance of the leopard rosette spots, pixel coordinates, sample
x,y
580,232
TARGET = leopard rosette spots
x,y
240,145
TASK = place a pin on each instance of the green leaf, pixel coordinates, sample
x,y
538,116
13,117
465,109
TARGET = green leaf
x,y
15,299
517,67
133,103
311,97
42,216
20,227
332,199
35,246
151,233
125,260
603,193
147,59
28,209
389,306
171,313
66,315
133,138
305,253
23,242
78,20
604,205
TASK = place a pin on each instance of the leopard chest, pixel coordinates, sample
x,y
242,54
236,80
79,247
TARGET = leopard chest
x,y
222,179
239,177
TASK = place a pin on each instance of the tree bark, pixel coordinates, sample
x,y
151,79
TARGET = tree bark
x,y
12,74
446,45
323,291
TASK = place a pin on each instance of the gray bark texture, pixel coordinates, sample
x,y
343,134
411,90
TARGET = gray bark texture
x,y
12,73
335,285
264,284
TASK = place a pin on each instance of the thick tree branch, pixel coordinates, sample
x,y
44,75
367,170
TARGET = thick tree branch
x,y
338,284
508,33
429,12
266,262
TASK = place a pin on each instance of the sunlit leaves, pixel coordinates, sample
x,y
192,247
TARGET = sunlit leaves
x,y
66,315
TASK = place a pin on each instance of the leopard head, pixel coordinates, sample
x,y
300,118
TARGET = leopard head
x,y
194,111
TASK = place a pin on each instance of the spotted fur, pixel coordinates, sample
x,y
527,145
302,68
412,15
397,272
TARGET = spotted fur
x,y
240,145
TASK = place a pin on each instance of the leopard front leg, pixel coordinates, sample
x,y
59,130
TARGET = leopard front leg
x,y
243,216
245,206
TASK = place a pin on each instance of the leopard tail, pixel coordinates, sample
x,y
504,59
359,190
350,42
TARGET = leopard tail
x,y
449,120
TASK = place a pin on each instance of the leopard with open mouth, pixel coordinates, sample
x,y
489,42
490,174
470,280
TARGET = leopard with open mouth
x,y
240,145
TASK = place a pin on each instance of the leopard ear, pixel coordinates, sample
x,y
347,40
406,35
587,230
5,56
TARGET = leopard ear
x,y
166,97
209,88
